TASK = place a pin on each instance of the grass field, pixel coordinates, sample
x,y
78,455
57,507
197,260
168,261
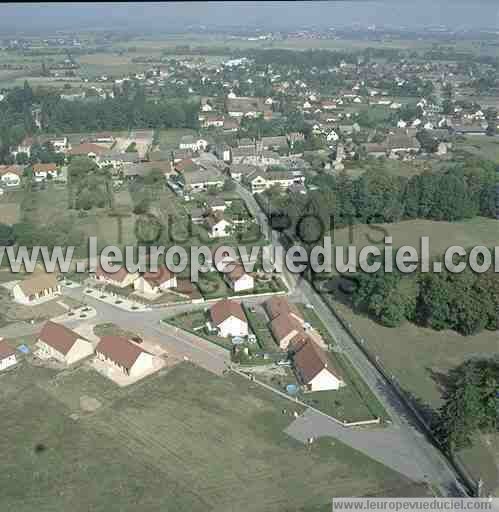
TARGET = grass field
x,y
468,233
183,441
483,147
419,358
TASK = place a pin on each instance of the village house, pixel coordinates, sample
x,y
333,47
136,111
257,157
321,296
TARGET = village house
x,y
56,341
87,149
277,306
7,356
217,226
274,143
121,278
117,161
201,179
314,369
247,107
10,175
239,171
60,145
239,280
36,289
212,120
229,318
42,171
286,329
155,283
190,142
123,355
260,181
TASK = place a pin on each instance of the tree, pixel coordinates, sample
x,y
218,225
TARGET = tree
x,y
229,185
6,235
470,403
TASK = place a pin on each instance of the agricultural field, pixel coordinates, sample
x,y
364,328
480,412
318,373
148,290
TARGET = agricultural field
x,y
181,440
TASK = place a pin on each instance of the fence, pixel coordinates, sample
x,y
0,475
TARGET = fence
x,y
464,475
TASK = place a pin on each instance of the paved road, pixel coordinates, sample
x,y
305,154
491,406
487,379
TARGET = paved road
x,y
403,446
147,323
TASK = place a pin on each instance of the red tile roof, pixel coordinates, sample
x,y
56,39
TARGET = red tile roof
x,y
225,309
6,350
119,276
159,277
86,148
284,325
58,337
15,169
276,306
120,350
310,360
44,168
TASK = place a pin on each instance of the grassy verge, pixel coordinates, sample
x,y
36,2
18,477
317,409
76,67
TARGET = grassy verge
x,y
162,444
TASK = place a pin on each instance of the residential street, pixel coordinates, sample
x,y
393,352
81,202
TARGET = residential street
x,y
404,440
401,446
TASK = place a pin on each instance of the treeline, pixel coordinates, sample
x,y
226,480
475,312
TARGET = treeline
x,y
128,109
118,113
465,302
463,191
302,59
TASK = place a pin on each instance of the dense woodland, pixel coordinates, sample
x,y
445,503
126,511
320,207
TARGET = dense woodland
x,y
128,109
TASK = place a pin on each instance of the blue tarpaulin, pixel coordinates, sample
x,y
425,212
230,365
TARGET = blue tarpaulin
x,y
23,348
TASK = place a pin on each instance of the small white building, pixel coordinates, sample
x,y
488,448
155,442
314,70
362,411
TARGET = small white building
x,y
7,356
229,318
66,346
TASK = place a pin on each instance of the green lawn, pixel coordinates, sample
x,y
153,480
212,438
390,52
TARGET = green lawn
x,y
467,233
183,440
195,322
259,325
420,358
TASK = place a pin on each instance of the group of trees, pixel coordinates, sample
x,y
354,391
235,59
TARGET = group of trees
x,y
465,302
129,108
118,113
463,191
471,404
88,186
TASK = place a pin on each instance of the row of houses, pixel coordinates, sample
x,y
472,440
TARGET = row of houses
x,y
314,369
59,343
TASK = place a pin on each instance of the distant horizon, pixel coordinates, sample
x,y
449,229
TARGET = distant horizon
x,y
174,17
